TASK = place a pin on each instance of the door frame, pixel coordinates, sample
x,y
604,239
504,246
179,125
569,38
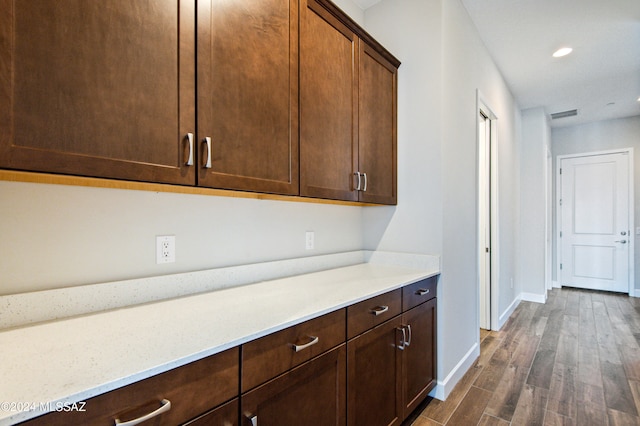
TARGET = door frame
x,y
483,108
558,241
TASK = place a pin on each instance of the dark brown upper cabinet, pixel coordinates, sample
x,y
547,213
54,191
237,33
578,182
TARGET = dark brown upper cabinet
x,y
94,88
273,96
247,68
348,109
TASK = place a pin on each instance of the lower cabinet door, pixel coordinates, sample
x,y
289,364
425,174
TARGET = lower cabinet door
x,y
374,376
310,394
419,355
225,415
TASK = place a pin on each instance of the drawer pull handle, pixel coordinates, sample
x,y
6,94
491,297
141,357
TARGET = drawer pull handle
x,y
422,291
408,342
189,161
379,310
359,176
166,406
314,340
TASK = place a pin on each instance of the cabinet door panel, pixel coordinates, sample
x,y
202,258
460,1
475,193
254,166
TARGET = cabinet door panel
x,y
373,383
248,93
419,358
311,394
97,88
225,415
328,105
377,126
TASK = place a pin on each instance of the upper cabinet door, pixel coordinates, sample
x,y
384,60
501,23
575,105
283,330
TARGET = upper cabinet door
x,y
247,71
328,105
97,88
377,127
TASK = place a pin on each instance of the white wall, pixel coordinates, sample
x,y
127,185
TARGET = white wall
x,y
443,64
535,140
58,236
602,136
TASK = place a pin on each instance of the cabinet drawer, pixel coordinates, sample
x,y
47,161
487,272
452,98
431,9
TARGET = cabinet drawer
x,y
269,356
192,390
372,312
417,293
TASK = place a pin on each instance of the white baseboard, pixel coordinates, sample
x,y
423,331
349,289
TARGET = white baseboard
x,y
534,297
505,316
555,284
443,388
635,292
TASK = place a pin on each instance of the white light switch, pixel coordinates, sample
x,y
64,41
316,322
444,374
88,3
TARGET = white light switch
x,y
310,240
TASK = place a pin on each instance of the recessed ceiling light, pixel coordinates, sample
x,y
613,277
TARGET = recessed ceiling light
x,y
564,51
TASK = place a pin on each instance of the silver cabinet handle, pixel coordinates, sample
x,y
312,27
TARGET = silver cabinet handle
x,y
314,340
190,141
408,342
365,182
254,421
358,174
379,310
404,338
207,142
621,241
422,292
166,406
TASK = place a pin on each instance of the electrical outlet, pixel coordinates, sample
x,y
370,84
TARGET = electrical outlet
x,y
309,240
165,249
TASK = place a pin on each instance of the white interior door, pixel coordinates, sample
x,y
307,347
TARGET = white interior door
x,y
595,227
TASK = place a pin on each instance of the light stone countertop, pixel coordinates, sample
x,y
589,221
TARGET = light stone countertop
x,y
71,360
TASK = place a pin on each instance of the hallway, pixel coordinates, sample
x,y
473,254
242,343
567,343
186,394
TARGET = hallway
x,y
572,361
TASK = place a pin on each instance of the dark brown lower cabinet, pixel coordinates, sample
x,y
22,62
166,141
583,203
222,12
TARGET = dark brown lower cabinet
x,y
310,394
419,356
374,376
185,393
392,366
306,374
226,415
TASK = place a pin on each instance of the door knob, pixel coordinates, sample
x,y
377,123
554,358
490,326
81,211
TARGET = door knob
x,y
623,233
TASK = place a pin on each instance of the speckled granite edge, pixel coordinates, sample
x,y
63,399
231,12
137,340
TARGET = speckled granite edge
x,y
30,308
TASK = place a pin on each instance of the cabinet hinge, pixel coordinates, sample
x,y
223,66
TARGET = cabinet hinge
x,y
561,266
560,234
560,170
560,201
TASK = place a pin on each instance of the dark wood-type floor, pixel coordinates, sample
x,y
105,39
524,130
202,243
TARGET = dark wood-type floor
x,y
572,361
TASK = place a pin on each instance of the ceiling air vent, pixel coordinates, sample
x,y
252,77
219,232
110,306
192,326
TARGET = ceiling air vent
x,y
564,114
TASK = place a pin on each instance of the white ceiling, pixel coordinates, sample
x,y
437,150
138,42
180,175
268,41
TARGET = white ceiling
x,y
603,68
366,3
600,78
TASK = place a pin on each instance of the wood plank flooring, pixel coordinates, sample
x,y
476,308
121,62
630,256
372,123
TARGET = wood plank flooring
x,y
573,361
